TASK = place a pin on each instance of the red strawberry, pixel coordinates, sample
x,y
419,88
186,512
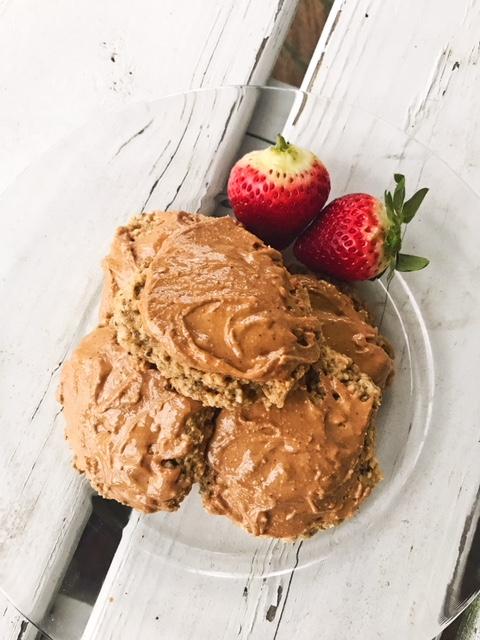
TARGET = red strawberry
x,y
357,237
276,192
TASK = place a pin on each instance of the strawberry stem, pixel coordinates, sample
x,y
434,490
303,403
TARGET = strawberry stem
x,y
281,143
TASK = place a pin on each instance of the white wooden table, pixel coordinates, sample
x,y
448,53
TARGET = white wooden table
x,y
413,62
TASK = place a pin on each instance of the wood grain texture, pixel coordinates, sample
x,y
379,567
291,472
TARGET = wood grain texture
x,y
401,578
341,600
145,591
414,64
13,625
66,63
43,503
143,588
301,41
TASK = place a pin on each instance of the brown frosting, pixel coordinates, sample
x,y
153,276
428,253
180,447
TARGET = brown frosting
x,y
133,246
135,440
347,329
218,300
289,472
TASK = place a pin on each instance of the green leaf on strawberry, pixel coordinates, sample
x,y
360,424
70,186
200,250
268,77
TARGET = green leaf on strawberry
x,y
389,205
406,262
411,206
399,193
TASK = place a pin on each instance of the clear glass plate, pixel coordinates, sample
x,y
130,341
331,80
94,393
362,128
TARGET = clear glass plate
x,y
58,219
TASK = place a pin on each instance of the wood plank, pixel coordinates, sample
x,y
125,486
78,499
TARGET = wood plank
x,y
144,588
375,592
13,625
37,517
385,585
272,608
258,614
414,64
65,63
405,577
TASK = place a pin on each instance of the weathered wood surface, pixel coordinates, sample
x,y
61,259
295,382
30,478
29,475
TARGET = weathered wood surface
x,y
43,503
405,575
64,62
13,625
143,589
414,63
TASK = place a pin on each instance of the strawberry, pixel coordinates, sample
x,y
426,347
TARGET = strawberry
x,y
358,237
276,192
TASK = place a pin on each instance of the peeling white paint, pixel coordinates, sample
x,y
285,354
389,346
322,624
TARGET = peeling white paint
x,y
70,63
